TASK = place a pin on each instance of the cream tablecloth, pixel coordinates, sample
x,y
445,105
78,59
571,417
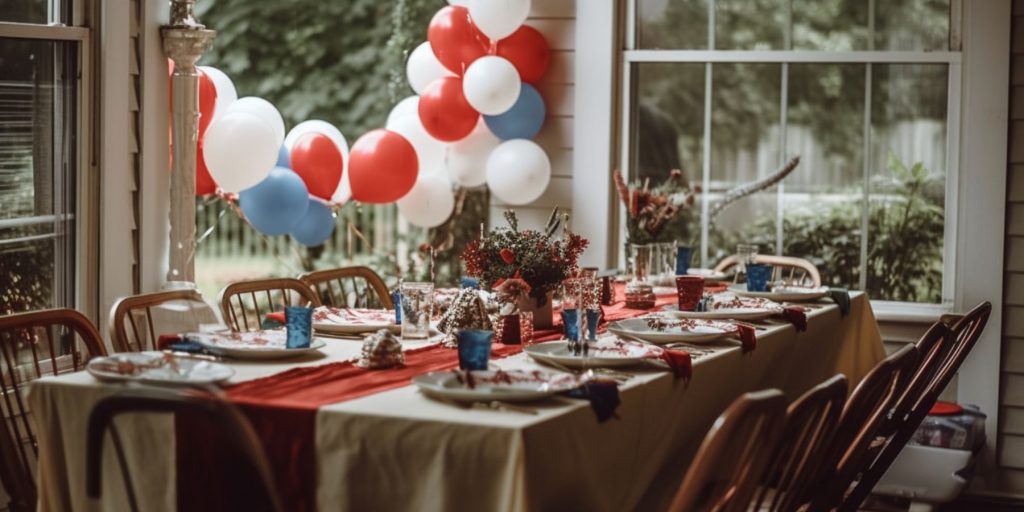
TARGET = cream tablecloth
x,y
399,450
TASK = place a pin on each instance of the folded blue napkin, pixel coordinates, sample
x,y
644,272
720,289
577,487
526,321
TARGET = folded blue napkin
x,y
603,396
841,296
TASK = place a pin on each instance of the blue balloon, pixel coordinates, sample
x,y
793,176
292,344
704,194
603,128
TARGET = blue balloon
x,y
284,158
316,226
523,120
274,205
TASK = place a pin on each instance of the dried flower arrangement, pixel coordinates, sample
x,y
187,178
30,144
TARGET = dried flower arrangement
x,y
650,209
527,263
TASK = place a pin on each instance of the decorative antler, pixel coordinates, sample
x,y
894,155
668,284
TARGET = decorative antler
x,y
751,188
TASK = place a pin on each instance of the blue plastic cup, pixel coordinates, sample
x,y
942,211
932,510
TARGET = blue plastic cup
x,y
474,348
299,323
571,324
470,282
683,254
758,275
593,318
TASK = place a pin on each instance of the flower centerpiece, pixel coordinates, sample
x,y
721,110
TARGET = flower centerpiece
x,y
656,218
525,266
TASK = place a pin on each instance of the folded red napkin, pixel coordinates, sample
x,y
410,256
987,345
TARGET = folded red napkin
x,y
748,337
680,362
797,317
166,339
277,316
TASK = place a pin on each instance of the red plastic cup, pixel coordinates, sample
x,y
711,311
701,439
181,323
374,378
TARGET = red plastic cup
x,y
690,290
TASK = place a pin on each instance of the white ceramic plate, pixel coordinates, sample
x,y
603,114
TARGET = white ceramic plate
x,y
158,368
721,314
669,330
352,321
252,345
708,274
606,352
782,293
487,385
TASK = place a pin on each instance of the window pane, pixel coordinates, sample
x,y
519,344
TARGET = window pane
x,y
668,133
823,200
750,25
37,166
908,176
912,25
744,148
830,25
36,11
672,24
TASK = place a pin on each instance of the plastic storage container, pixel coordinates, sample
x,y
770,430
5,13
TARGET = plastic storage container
x,y
938,462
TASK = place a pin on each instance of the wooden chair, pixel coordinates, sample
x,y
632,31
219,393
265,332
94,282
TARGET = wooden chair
x,y
249,482
811,422
350,287
793,271
34,345
244,300
944,347
732,457
126,315
863,416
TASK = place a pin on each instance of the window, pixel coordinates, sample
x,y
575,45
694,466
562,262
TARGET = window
x,y
866,93
40,119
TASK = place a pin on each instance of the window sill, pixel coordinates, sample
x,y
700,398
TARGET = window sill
x,y
890,311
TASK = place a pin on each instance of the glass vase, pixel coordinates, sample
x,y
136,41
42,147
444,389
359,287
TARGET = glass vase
x,y
642,260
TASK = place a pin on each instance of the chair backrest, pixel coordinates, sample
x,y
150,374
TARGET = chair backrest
x,y
726,469
943,348
34,345
350,287
133,328
791,270
863,416
811,421
244,304
250,479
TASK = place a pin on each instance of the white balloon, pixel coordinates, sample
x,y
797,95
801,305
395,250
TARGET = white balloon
x,y
429,203
423,68
344,191
491,85
429,151
226,93
318,126
467,158
240,150
498,18
461,3
409,106
263,109
518,171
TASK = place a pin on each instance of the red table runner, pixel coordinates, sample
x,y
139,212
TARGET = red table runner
x,y
282,409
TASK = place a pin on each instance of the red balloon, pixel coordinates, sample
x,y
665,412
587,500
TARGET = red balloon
x,y
204,181
318,161
528,51
444,111
207,101
455,40
382,167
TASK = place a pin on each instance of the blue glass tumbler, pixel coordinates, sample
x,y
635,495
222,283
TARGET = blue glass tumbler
x,y
571,324
470,282
299,323
683,255
474,348
593,318
758,275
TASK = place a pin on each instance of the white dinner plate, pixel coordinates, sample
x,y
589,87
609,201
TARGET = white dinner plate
x,y
668,330
352,321
158,368
782,293
722,314
708,274
252,345
606,352
487,385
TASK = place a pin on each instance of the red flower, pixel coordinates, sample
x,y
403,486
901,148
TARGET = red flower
x,y
507,256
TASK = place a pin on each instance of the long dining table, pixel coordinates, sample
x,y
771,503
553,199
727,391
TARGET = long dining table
x,y
397,449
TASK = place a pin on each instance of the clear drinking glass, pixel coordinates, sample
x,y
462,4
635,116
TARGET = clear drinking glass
x,y
746,254
417,309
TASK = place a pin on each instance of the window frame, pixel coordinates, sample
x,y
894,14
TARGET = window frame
x,y
631,56
81,258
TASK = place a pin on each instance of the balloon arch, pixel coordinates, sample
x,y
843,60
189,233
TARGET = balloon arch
x,y
470,123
